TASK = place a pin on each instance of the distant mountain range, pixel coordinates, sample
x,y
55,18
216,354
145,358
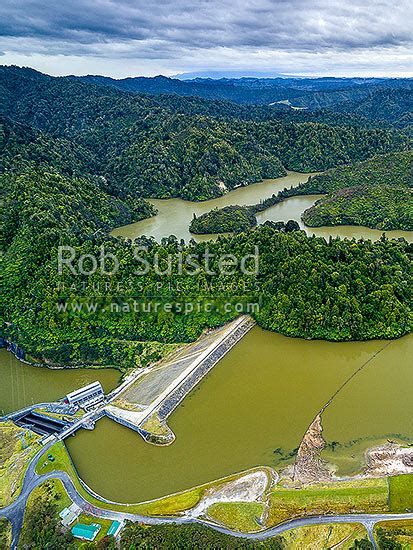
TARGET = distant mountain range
x,y
231,74
379,99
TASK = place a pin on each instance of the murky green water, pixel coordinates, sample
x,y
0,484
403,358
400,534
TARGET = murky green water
x,y
174,215
22,385
260,398
373,407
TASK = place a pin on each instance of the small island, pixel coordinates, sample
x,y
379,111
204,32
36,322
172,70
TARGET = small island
x,y
230,219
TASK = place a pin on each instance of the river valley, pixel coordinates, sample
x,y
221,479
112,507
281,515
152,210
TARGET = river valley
x,y
255,405
174,215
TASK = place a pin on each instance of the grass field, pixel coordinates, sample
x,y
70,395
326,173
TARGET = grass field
x,y
370,495
401,493
241,516
155,426
14,459
334,498
173,504
61,416
62,460
340,536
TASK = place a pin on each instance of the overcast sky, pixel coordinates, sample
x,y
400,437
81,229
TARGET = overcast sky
x,y
147,37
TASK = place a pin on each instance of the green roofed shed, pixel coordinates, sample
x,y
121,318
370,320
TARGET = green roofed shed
x,y
114,528
85,532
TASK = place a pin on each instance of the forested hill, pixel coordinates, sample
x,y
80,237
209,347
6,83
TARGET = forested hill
x,y
383,207
375,193
165,146
23,147
379,100
389,169
52,166
75,160
49,207
391,105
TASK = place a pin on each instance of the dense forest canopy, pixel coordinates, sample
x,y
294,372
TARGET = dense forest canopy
x,y
190,536
230,219
375,193
24,152
338,290
388,169
159,147
384,104
76,160
23,147
384,207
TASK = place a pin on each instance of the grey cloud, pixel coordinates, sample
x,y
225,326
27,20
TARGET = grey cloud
x,y
293,25
188,33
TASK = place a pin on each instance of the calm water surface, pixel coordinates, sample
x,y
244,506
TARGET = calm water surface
x,y
252,409
175,215
373,407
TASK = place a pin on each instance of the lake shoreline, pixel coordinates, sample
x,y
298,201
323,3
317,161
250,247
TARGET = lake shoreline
x,y
174,215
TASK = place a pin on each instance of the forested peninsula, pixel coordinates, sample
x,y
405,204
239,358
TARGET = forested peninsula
x,y
375,193
383,207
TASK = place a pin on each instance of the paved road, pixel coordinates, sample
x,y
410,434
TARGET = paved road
x,y
15,511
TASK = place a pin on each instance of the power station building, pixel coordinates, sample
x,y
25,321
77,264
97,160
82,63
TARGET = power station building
x,y
87,396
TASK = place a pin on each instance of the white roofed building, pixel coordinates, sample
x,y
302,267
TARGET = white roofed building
x,y
87,396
